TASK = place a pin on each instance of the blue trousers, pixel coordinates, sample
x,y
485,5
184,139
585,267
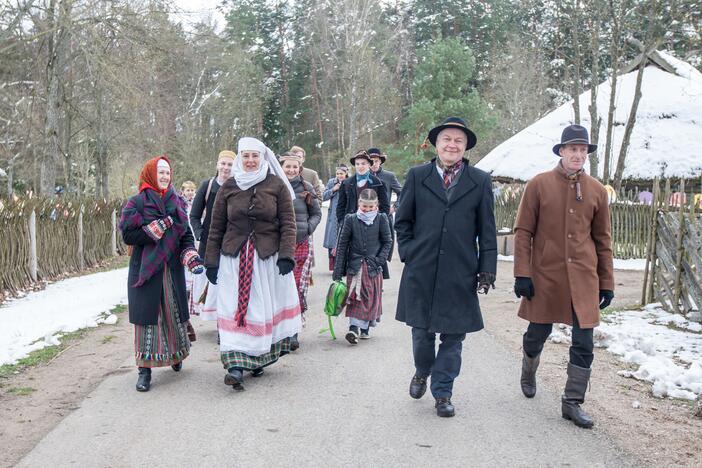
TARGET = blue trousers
x,y
443,366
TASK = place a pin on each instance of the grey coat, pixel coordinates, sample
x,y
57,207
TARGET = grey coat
x,y
389,180
359,241
307,217
332,227
445,238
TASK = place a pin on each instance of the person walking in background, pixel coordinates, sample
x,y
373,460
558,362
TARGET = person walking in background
x,y
187,191
307,217
250,253
563,265
362,254
352,186
154,223
331,193
310,175
392,185
447,240
200,219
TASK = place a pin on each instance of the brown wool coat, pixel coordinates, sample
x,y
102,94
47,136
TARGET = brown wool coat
x,y
565,247
272,220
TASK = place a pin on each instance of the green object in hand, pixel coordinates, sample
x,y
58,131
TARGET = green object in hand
x,y
336,300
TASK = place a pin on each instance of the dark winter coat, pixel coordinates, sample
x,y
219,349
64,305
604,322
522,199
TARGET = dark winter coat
x,y
389,179
266,209
359,241
307,217
445,238
348,196
331,230
145,300
201,226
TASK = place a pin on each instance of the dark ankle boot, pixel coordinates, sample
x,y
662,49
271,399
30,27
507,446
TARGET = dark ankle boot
x,y
257,372
574,396
177,367
294,342
235,378
444,408
418,386
144,381
528,380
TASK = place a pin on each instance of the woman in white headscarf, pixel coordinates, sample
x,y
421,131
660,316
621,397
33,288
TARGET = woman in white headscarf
x,y
250,250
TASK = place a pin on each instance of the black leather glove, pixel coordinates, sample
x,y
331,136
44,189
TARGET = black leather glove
x,y
285,266
606,297
336,278
485,280
524,287
211,274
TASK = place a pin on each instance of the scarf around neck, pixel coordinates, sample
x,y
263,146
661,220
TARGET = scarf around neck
x,y
367,218
573,177
363,180
246,180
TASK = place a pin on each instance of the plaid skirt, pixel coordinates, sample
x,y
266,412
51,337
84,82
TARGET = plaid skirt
x,y
165,343
365,300
245,361
303,271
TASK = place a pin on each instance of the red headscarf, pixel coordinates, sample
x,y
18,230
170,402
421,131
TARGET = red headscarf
x,y
149,175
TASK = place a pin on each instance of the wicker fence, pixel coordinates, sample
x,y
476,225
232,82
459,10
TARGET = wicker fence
x,y
48,238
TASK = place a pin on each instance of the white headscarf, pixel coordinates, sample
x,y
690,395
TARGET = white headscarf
x,y
246,180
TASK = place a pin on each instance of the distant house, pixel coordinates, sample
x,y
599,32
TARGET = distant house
x,y
665,141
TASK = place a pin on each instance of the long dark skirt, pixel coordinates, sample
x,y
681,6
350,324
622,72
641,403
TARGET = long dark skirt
x,y
165,343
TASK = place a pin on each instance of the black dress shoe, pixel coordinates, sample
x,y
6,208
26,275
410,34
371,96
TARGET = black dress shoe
x,y
444,408
294,343
144,381
177,367
418,386
257,372
235,378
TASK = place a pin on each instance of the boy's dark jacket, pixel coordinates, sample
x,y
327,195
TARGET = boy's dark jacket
x,y
359,241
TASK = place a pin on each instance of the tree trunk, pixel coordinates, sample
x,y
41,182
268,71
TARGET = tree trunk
x,y
595,119
621,161
576,61
614,51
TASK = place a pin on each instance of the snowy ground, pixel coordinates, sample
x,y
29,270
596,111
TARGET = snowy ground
x,y
664,349
636,264
38,319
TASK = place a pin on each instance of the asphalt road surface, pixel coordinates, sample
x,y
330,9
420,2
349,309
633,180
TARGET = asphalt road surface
x,y
328,404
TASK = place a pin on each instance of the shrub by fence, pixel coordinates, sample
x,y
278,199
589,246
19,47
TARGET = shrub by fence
x,y
47,238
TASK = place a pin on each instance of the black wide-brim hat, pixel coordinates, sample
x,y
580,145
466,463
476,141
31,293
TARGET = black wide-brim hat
x,y
453,122
376,152
574,135
363,154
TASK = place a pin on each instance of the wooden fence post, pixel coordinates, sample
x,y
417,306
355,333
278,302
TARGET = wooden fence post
x,y
81,257
677,284
33,246
649,271
114,233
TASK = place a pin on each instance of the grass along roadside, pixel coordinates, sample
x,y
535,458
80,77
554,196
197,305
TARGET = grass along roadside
x,y
48,354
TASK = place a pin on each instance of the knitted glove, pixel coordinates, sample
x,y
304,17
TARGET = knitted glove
x,y
192,261
211,274
524,287
606,297
485,280
166,222
285,266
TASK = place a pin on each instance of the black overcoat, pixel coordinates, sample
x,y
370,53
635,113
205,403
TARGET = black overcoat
x,y
444,244
348,197
359,241
144,301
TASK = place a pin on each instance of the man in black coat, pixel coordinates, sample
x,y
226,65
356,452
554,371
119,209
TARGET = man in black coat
x,y
447,240
352,186
389,179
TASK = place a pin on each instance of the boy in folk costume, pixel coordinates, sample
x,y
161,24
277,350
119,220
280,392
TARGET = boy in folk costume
x,y
362,253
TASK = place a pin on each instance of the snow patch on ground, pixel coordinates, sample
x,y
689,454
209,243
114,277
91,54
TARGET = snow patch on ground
x,y
665,348
637,264
38,319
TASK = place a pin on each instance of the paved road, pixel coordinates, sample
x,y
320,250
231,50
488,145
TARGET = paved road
x,y
329,404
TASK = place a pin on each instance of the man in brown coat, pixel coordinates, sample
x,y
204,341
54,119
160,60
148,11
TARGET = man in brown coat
x,y
563,265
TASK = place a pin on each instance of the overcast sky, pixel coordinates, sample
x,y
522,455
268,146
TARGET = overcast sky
x,y
197,10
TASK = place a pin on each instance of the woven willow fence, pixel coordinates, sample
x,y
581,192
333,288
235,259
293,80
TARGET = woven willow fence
x,y
44,239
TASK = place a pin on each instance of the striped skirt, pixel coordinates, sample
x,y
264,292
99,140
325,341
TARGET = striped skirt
x,y
303,271
165,343
365,300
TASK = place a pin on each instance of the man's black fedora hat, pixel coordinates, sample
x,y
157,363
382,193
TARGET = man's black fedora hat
x,y
576,135
453,122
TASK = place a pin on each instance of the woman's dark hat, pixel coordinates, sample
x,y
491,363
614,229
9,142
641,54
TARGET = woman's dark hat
x,y
376,152
453,122
363,154
575,135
